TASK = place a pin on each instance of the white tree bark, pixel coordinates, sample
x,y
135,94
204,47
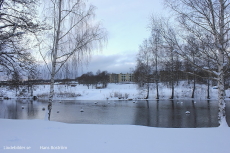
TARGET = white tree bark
x,y
54,57
221,93
220,45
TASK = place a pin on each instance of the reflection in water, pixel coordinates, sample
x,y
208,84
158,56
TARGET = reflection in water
x,y
20,109
171,113
159,113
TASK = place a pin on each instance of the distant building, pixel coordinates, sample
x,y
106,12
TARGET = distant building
x,y
121,78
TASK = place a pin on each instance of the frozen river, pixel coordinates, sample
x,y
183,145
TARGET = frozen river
x,y
162,113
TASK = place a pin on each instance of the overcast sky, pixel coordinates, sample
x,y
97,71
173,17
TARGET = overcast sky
x,y
126,22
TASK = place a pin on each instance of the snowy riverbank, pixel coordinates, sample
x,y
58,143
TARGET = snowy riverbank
x,y
116,91
38,136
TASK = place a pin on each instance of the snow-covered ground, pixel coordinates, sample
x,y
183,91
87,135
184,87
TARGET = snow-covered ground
x,y
39,136
116,91
113,91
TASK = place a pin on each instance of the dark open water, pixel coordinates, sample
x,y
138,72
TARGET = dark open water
x,y
162,113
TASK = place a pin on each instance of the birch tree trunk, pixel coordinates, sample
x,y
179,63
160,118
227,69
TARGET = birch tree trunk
x,y
54,58
194,86
221,93
208,81
147,79
194,82
157,76
156,69
172,72
208,89
220,45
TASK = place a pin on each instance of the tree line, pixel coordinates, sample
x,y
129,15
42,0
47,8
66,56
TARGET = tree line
x,y
99,80
195,38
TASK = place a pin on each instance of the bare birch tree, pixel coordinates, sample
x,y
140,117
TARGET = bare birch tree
x,y
202,17
192,49
155,45
74,34
168,34
143,70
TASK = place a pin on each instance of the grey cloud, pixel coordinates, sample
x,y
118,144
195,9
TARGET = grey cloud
x,y
118,63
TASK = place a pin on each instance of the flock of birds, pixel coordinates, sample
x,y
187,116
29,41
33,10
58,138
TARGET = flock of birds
x,y
82,110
